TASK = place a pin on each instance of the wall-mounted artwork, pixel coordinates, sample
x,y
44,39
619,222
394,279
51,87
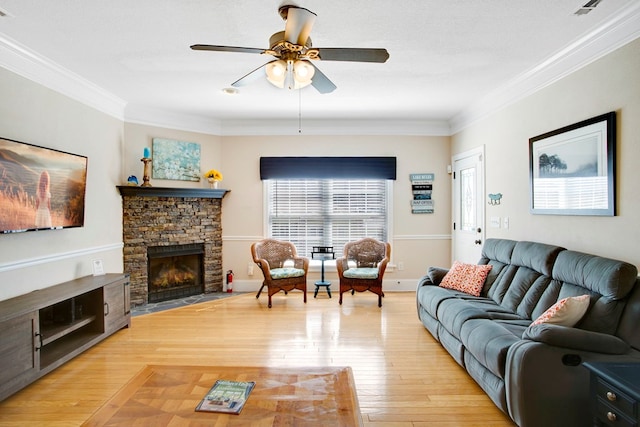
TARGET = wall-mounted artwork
x,y
572,169
177,160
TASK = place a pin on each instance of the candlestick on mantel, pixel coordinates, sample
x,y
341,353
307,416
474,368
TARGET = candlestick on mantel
x,y
146,153
146,174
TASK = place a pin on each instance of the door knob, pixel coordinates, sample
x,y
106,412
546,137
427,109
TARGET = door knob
x,y
477,242
479,230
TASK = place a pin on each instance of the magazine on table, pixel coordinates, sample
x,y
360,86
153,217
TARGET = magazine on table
x,y
226,396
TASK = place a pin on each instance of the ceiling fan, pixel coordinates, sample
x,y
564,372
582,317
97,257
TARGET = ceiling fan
x,y
293,51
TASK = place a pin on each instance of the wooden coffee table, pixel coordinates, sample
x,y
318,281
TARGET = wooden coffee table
x,y
167,395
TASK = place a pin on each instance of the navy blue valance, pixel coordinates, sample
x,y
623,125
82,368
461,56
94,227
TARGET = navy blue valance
x,y
327,168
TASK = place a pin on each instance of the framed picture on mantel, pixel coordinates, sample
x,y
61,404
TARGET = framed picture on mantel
x,y
572,170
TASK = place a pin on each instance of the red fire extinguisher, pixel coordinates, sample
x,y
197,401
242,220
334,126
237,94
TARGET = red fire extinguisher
x,y
230,281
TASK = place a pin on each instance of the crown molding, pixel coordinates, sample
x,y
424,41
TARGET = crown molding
x,y
335,127
621,29
150,116
615,33
29,64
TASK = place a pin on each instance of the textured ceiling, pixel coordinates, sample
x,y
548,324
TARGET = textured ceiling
x,y
445,56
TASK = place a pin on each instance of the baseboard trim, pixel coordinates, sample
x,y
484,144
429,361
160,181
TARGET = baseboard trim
x,y
405,285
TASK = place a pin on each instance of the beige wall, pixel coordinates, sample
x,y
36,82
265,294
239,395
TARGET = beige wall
x,y
610,84
137,137
417,241
34,114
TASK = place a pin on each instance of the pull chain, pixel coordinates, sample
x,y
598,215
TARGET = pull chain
x,y
299,110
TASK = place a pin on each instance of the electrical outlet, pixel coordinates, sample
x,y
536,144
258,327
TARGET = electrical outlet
x,y
505,222
250,269
401,265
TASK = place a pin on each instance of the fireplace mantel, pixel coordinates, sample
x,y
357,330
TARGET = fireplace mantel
x,y
205,193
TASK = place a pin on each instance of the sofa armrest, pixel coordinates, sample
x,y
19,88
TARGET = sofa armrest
x,y
573,338
436,274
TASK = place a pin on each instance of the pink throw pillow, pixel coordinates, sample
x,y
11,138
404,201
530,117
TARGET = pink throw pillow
x,y
566,312
467,278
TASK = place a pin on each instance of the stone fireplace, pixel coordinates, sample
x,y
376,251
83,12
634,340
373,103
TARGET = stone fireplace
x,y
172,241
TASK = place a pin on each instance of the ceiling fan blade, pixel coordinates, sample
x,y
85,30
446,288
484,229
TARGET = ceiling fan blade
x,y
299,24
321,82
249,78
353,54
226,48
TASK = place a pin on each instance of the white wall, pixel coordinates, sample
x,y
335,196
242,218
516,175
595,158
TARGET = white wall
x,y
609,84
34,114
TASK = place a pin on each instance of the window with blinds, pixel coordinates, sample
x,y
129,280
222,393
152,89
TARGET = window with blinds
x,y
327,212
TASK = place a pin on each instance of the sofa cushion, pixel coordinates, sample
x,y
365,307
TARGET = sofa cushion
x,y
610,278
430,297
468,278
525,285
566,312
537,256
498,250
454,312
609,282
489,341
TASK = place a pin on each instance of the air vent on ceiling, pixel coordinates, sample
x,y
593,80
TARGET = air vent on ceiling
x,y
591,4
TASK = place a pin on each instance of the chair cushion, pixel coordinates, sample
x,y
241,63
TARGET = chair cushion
x,y
285,273
361,273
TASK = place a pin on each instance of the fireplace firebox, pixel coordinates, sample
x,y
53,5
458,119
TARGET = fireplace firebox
x,y
175,271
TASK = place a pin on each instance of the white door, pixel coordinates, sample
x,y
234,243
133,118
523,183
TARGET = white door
x,y
468,205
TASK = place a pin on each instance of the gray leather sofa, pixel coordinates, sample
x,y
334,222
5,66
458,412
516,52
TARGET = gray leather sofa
x,y
534,373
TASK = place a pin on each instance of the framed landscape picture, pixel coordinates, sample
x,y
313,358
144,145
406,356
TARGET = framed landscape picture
x,y
176,160
572,169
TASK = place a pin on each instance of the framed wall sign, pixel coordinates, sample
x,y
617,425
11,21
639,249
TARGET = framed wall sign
x,y
572,169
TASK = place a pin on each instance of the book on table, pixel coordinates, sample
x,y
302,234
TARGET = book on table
x,y
226,396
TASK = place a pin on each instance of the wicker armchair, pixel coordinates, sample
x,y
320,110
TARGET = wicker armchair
x,y
271,255
362,267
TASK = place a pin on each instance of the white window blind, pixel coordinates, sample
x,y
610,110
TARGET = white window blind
x,y
326,212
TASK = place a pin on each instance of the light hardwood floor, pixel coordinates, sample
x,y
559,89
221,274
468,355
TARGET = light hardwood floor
x,y
403,376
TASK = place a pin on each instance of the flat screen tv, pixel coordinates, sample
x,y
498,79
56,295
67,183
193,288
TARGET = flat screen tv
x,y
40,188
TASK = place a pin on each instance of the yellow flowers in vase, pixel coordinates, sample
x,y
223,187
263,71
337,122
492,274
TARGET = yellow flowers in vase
x,y
213,176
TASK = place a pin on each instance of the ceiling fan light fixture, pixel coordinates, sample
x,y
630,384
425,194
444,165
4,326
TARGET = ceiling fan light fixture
x,y
303,72
276,72
292,74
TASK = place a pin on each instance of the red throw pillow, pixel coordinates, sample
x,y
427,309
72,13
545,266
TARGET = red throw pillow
x,y
566,312
467,278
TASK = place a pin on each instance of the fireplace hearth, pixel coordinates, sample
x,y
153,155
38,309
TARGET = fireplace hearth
x,y
175,271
